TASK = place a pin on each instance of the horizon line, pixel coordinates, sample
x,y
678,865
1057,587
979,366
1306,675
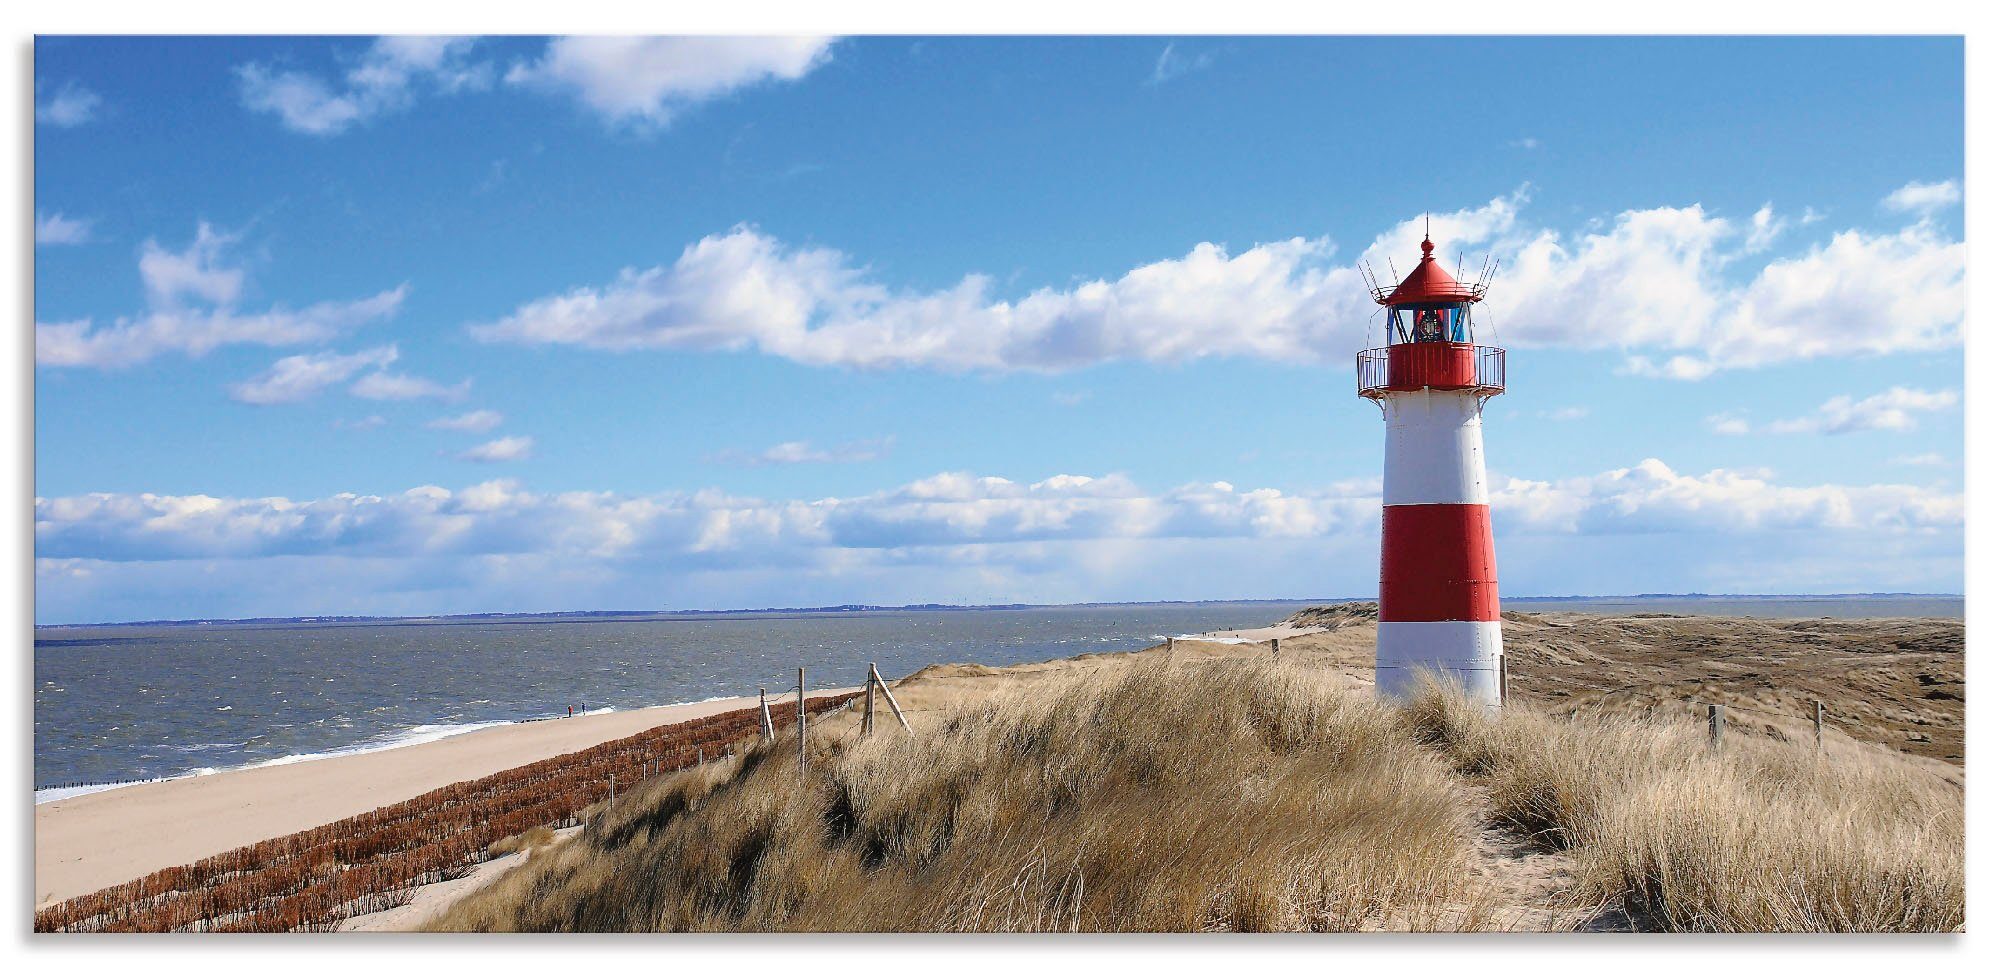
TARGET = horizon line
x,y
928,606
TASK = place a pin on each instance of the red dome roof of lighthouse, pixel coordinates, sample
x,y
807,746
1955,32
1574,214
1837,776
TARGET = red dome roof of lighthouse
x,y
1428,282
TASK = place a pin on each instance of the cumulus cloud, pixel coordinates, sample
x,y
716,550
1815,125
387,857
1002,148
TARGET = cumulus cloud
x,y
1924,197
191,298
1676,288
500,450
475,421
1065,538
745,289
650,80
55,228
66,107
296,378
1892,409
386,77
1653,497
943,510
799,451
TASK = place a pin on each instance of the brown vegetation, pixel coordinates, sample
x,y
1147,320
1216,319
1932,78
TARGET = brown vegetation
x,y
1895,682
314,879
1206,796
1753,837
1218,793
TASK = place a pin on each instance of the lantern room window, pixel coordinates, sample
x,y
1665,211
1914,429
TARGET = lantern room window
x,y
1430,322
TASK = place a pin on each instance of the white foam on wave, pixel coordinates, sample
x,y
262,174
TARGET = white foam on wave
x,y
70,792
414,735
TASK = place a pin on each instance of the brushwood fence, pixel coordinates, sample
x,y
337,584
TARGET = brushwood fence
x,y
313,880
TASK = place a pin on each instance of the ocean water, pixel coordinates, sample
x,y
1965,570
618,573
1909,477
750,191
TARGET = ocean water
x,y
129,703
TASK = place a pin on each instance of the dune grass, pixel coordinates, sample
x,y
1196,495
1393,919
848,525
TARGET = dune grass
x,y
1230,795
1760,836
1199,796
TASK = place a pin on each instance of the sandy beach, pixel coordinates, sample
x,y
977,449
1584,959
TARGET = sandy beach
x,y
90,842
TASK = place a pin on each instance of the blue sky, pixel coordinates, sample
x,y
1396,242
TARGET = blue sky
x,y
416,326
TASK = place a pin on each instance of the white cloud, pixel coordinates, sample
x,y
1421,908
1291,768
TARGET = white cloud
x,y
1891,409
1172,63
1729,424
1668,285
192,297
56,228
1567,413
1765,227
649,80
746,289
385,78
1525,144
381,385
296,378
1653,497
799,451
947,509
1921,460
476,421
373,421
68,107
501,450
498,545
1924,198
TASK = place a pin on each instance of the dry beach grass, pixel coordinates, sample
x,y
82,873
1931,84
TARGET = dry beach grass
x,y
1224,794
1750,837
1202,796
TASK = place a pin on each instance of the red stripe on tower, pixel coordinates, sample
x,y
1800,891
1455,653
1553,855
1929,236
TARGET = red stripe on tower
x,y
1437,563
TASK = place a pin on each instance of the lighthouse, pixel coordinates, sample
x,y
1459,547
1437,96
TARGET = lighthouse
x,y
1440,596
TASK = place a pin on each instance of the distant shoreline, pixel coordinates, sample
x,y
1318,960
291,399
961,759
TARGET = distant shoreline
x,y
566,617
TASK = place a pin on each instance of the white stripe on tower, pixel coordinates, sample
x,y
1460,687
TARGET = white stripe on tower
x,y
1439,597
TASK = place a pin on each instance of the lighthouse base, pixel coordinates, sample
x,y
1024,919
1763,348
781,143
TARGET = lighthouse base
x,y
1465,652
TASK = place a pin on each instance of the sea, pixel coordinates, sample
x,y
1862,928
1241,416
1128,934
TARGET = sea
x,y
116,704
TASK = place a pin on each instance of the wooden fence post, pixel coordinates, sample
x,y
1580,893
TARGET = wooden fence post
x,y
1819,727
1170,648
1274,651
868,715
1715,720
614,788
764,710
891,697
1503,679
802,721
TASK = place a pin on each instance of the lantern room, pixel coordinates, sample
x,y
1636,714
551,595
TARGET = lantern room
x,y
1429,305
1429,338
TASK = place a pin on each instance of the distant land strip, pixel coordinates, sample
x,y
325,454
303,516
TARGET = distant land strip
x,y
561,617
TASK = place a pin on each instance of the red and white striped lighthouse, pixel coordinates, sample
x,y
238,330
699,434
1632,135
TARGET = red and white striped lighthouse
x,y
1440,597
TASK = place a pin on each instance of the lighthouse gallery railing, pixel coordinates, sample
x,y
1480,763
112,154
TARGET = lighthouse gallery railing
x,y
1487,372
